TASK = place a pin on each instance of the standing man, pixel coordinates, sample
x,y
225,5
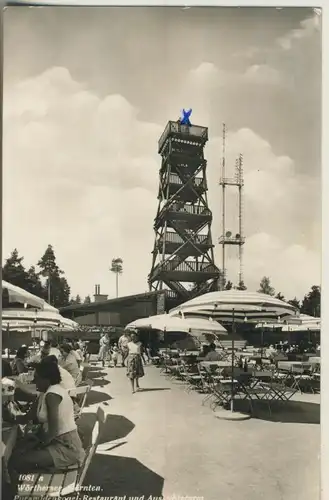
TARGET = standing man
x,y
123,347
104,347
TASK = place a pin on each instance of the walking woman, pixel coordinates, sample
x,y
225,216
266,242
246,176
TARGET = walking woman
x,y
135,369
104,346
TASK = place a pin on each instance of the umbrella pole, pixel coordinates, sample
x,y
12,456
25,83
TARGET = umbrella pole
x,y
8,350
232,362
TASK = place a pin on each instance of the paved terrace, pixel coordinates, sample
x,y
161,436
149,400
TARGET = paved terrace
x,y
163,442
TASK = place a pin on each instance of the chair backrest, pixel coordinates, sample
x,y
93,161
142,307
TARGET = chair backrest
x,y
80,389
96,433
84,368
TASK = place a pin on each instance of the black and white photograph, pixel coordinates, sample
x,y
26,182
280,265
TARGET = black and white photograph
x,y
161,253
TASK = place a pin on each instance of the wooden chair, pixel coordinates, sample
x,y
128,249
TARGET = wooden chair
x,y
79,395
60,483
190,374
84,369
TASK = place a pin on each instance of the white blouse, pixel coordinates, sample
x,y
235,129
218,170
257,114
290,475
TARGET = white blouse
x,y
134,348
66,421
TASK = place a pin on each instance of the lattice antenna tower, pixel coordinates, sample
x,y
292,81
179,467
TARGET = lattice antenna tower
x,y
227,239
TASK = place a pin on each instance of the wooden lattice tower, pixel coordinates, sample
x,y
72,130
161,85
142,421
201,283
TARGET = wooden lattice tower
x,y
183,256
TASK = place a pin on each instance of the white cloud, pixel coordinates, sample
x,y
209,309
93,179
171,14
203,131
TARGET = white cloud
x,y
81,173
262,75
307,29
292,269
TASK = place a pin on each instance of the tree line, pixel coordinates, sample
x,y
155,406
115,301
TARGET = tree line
x,y
47,281
311,303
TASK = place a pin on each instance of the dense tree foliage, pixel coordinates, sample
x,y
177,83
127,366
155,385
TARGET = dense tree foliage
x,y
47,282
265,286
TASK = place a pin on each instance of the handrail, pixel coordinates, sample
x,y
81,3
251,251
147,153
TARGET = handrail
x,y
175,238
193,131
184,208
175,179
187,266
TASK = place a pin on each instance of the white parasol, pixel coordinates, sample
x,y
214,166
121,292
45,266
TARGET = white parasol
x,y
236,306
165,322
20,296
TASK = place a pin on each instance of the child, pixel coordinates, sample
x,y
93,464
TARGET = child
x,y
115,354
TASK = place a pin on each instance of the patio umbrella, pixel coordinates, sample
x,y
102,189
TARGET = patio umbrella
x,y
236,306
20,296
165,322
198,328
247,306
305,323
40,319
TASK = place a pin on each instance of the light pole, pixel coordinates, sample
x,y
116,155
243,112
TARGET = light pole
x,y
35,321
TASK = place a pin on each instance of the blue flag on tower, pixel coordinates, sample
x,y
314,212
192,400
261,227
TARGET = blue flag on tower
x,y
185,119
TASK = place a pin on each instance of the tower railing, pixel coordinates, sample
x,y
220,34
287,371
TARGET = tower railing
x,y
175,179
199,239
187,209
187,266
193,131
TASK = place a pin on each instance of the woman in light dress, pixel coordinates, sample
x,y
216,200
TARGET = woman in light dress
x,y
69,362
57,445
135,369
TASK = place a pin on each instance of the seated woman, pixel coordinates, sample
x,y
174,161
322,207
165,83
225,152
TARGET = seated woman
x,y
6,369
44,351
69,362
67,381
77,353
19,364
54,349
212,354
57,445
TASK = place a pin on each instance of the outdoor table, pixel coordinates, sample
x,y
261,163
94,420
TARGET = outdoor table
x,y
290,365
24,392
189,354
219,364
315,360
263,386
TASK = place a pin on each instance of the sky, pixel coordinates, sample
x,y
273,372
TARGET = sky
x,y
87,94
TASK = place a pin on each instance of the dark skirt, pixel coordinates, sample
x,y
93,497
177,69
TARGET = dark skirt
x,y
64,450
135,366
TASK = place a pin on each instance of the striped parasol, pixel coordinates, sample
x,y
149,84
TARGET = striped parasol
x,y
243,305
20,296
167,323
17,319
236,306
301,324
305,323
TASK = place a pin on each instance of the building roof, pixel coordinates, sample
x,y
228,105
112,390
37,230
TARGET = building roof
x,y
108,305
